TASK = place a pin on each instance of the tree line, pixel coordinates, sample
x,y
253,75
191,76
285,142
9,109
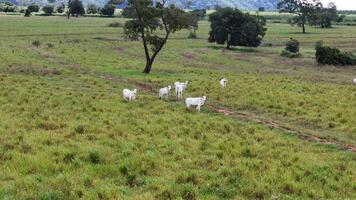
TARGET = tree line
x,y
73,8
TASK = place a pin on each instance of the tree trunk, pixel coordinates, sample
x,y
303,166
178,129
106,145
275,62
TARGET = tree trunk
x,y
303,25
228,41
228,45
148,67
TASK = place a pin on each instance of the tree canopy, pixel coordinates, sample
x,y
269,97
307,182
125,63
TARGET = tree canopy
x,y
33,7
323,16
108,9
75,8
48,9
149,21
234,28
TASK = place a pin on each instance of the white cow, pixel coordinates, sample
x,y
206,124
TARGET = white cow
x,y
198,102
223,82
164,91
129,95
179,90
354,81
185,85
180,87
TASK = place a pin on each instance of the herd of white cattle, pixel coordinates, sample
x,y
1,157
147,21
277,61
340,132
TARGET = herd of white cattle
x,y
198,102
179,87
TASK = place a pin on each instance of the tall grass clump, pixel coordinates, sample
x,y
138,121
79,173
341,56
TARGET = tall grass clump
x,y
292,49
36,43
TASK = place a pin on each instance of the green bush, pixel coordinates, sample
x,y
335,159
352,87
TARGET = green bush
x,y
27,12
288,54
36,43
292,49
33,8
7,7
48,10
292,45
108,10
333,56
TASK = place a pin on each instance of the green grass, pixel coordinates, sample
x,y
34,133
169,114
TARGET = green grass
x,y
67,134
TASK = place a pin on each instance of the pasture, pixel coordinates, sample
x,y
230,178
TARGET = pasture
x,y
66,132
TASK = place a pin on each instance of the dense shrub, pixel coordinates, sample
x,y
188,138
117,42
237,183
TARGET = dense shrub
x,y
108,10
92,9
333,56
292,49
233,27
289,54
292,45
48,10
36,43
7,7
75,8
27,13
33,8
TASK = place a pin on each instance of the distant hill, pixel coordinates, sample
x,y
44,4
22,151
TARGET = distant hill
x,y
241,4
196,4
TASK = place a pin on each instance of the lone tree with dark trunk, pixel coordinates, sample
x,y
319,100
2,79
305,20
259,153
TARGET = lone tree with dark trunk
x,y
231,27
149,22
301,8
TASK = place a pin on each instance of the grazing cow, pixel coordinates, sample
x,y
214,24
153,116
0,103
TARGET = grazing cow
x,y
129,95
354,81
180,87
198,102
164,91
179,90
223,82
185,85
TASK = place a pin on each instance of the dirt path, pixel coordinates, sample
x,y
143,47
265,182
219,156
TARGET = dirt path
x,y
277,125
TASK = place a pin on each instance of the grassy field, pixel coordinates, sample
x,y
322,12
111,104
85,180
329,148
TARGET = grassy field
x,y
67,134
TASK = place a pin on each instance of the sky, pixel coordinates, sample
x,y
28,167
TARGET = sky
x,y
342,4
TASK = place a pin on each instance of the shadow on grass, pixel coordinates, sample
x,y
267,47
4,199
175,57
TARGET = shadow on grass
x,y
237,49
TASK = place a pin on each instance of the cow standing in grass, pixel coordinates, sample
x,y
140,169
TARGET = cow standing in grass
x,y
129,95
197,102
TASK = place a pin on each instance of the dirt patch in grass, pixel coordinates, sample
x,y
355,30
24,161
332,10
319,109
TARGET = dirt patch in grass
x,y
108,39
297,61
58,61
30,70
188,55
119,49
